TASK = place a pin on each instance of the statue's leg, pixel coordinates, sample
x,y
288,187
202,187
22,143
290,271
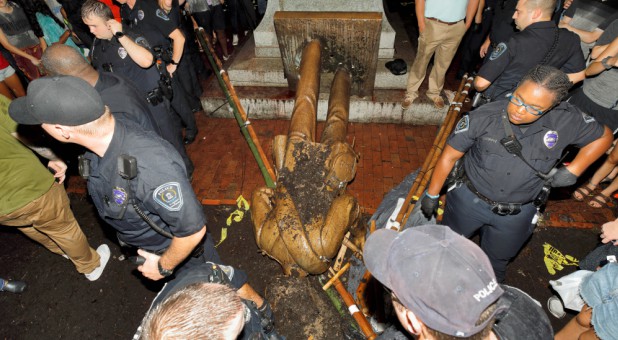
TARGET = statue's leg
x,y
336,127
304,115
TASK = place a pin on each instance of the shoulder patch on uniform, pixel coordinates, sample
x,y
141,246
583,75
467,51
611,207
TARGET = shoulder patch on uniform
x,y
161,14
140,15
463,124
498,51
587,118
169,196
142,42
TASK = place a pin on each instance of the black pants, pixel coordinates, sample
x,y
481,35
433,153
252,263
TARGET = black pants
x,y
501,236
171,130
182,106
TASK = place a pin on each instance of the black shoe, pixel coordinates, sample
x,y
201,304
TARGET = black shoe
x,y
189,139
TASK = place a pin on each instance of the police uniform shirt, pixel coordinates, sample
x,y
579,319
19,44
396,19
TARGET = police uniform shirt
x,y
502,25
161,190
150,20
504,177
509,61
125,101
111,53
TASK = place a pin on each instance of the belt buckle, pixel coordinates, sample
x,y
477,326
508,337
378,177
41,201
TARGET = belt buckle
x,y
499,209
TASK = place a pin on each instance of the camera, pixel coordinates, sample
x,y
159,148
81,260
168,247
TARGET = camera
x,y
162,53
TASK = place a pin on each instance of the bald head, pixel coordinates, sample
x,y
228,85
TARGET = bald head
x,y
61,59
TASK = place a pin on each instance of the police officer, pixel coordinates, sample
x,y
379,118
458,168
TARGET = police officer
x,y
123,98
502,27
510,150
155,23
137,181
205,289
128,55
539,42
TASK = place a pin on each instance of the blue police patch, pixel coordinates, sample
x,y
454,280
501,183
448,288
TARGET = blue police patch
x,y
169,196
463,124
119,195
550,139
498,51
587,118
161,14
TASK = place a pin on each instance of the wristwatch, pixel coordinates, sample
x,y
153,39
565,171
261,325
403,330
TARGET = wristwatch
x,y
164,272
118,35
605,64
173,62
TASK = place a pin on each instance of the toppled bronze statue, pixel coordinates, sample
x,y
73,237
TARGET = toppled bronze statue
x,y
302,222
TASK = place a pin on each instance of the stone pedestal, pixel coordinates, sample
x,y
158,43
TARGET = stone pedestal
x,y
259,63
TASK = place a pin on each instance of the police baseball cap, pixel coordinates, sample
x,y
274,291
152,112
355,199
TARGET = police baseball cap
x,y
445,279
63,100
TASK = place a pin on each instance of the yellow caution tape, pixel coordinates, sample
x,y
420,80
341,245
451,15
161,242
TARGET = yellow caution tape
x,y
236,216
555,260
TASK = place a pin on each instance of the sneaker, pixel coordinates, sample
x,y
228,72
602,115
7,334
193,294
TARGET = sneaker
x,y
554,305
226,57
438,102
104,253
235,39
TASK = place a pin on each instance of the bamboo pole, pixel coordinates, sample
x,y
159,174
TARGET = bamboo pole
x,y
418,187
426,170
237,109
354,311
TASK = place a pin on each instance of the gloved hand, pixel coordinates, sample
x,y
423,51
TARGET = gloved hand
x,y
429,205
12,286
563,178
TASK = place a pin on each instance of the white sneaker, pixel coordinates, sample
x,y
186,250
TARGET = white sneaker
x,y
104,253
235,39
554,305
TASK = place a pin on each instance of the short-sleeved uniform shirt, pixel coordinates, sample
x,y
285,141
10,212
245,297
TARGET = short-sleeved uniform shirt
x,y
504,177
125,101
510,61
111,53
151,21
161,190
22,176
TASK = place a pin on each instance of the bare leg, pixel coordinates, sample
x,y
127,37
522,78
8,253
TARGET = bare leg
x,y
577,326
15,85
5,91
223,42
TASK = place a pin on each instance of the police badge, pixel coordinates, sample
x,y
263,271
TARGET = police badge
x,y
122,53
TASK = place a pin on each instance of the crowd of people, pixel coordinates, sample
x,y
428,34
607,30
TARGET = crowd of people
x,y
122,84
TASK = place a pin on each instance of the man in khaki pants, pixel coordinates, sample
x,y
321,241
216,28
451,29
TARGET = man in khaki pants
x,y
34,201
441,26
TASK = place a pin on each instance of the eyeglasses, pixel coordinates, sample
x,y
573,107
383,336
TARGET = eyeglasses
x,y
528,108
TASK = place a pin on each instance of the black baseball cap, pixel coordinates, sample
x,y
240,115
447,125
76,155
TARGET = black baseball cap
x,y
63,100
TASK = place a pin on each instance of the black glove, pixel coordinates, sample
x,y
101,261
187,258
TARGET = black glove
x,y
563,178
12,286
429,205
